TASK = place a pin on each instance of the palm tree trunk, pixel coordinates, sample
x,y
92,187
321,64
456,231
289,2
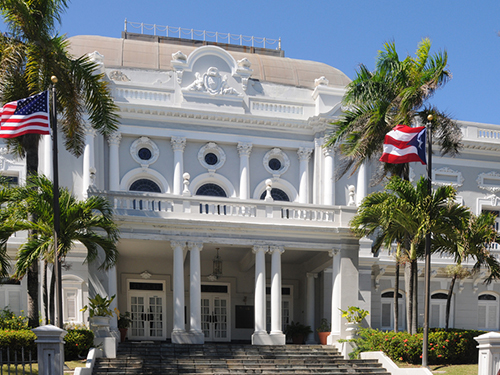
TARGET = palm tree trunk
x,y
414,315
409,294
45,293
396,297
448,301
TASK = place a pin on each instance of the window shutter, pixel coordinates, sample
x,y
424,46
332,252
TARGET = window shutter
x,y
386,315
492,317
481,316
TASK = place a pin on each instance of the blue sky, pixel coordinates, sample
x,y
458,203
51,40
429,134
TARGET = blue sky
x,y
339,33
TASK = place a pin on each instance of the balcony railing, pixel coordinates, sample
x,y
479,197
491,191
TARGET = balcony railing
x,y
230,209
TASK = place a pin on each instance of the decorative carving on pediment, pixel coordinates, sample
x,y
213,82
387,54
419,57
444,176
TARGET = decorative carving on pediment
x,y
213,83
179,56
96,57
117,75
489,181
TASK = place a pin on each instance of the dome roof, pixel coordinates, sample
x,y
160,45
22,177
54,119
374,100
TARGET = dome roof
x,y
142,54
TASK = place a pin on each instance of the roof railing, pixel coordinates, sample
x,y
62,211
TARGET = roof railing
x,y
210,36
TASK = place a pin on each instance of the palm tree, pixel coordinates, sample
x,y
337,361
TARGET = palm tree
x,y
89,222
30,53
471,238
401,214
395,93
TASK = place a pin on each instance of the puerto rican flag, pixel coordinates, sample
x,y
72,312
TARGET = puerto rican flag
x,y
404,144
29,115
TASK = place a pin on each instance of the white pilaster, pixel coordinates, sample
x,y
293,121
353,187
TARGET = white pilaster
x,y
318,171
179,332
304,155
336,294
244,149
260,336
88,158
178,145
329,183
362,184
276,335
310,305
114,161
47,157
196,333
113,291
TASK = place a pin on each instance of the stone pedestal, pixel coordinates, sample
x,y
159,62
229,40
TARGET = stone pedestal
x,y
489,353
50,345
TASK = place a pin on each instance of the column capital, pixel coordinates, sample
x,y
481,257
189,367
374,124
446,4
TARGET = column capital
x,y
334,252
276,248
195,245
304,153
178,143
259,248
329,151
115,138
178,244
312,274
89,130
319,141
244,149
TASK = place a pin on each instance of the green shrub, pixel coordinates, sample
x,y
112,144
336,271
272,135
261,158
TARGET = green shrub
x,y
15,340
78,343
452,347
9,320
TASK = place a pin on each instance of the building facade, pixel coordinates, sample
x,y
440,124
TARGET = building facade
x,y
232,222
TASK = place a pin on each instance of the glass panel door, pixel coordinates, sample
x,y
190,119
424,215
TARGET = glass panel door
x,y
215,318
146,310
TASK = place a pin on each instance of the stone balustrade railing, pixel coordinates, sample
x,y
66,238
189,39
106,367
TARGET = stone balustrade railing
x,y
230,209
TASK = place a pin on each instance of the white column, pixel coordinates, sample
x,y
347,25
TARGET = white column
x,y
318,171
114,161
329,183
244,149
113,291
310,305
178,145
336,305
277,336
196,333
304,155
179,327
88,158
260,336
47,157
362,184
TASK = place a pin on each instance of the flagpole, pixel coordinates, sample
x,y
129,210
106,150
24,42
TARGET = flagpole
x,y
57,213
425,342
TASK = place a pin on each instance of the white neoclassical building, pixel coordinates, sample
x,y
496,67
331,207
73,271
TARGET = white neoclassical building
x,y
232,223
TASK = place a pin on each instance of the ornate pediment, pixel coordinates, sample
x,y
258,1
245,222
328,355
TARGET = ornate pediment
x,y
213,83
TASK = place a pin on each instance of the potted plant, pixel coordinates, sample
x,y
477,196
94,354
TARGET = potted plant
x,y
297,332
124,321
99,310
324,331
354,316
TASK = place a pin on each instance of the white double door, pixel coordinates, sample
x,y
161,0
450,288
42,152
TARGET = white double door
x,y
215,317
147,312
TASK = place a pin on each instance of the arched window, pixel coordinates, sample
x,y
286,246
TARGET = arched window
x,y
212,190
487,312
145,185
277,194
438,310
387,311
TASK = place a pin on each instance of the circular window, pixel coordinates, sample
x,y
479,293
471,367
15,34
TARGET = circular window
x,y
277,194
144,153
212,190
275,164
145,185
211,158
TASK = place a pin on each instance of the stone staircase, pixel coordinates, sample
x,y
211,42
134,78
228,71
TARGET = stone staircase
x,y
155,358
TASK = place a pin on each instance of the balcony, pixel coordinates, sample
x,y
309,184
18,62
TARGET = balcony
x,y
205,208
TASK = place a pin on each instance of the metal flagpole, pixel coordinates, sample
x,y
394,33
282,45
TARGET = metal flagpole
x,y
425,342
57,212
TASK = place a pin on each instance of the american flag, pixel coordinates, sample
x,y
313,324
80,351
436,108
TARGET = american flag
x,y
29,115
